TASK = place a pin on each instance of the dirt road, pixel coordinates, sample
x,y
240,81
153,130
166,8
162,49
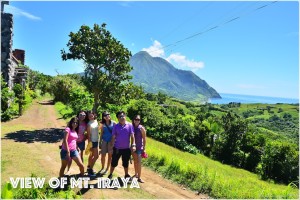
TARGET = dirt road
x,y
30,144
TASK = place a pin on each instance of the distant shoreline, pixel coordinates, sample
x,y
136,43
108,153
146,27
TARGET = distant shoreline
x,y
241,98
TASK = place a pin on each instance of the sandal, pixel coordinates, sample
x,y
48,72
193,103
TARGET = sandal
x,y
141,180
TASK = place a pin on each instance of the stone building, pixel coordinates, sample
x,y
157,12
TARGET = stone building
x,y
10,59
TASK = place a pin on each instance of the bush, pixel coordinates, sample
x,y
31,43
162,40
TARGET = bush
x,y
64,110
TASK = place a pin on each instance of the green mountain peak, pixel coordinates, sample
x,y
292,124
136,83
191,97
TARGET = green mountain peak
x,y
157,74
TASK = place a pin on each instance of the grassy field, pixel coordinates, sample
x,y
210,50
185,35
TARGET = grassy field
x,y
202,174
286,108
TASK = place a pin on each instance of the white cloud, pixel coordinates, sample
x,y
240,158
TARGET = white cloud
x,y
182,61
177,59
156,50
18,12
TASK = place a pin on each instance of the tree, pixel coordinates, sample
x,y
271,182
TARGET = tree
x,y
106,63
149,112
280,162
228,145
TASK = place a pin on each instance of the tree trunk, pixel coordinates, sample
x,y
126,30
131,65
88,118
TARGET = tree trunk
x,y
96,102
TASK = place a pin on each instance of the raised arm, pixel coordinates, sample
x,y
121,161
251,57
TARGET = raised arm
x,y
133,145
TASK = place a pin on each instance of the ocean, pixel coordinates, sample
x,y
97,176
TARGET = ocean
x,y
227,98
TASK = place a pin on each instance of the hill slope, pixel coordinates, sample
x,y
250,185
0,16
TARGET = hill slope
x,y
40,140
156,74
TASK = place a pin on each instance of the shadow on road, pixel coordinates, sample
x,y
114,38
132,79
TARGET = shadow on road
x,y
51,135
50,102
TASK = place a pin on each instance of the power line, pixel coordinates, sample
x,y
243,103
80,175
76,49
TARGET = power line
x,y
212,28
235,10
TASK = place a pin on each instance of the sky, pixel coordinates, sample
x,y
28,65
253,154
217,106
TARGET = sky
x,y
237,47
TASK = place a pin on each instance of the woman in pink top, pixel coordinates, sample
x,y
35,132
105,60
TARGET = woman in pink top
x,y
81,132
69,147
82,126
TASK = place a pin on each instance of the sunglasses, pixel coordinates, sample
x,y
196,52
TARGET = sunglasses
x,y
121,116
82,115
75,122
137,119
106,115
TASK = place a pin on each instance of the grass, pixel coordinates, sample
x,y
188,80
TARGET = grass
x,y
64,111
286,108
204,175
15,156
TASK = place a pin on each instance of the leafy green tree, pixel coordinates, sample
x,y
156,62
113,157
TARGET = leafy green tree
x,y
161,97
106,63
228,146
61,88
151,97
37,80
280,162
132,91
149,111
19,93
208,131
80,99
252,145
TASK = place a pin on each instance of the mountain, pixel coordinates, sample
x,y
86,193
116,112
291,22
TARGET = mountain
x,y
156,74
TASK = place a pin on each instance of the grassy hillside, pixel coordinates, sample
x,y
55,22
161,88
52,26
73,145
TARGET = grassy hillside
x,y
280,119
205,175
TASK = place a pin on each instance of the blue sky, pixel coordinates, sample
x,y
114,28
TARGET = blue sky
x,y
256,54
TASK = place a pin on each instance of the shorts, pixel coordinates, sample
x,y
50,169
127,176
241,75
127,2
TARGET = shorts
x,y
117,153
95,144
81,145
106,147
139,152
73,153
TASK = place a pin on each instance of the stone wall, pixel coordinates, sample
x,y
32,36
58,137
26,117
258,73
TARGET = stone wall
x,y
7,64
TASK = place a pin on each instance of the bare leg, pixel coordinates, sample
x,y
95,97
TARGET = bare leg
x,y
102,161
81,155
135,162
109,161
63,167
139,165
69,165
94,157
90,160
80,164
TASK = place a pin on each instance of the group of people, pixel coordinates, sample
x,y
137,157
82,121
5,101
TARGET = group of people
x,y
121,139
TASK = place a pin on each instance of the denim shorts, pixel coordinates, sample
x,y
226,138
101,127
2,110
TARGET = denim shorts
x,y
81,145
63,154
95,144
139,152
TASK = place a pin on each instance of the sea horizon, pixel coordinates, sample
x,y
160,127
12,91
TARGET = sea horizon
x,y
243,98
